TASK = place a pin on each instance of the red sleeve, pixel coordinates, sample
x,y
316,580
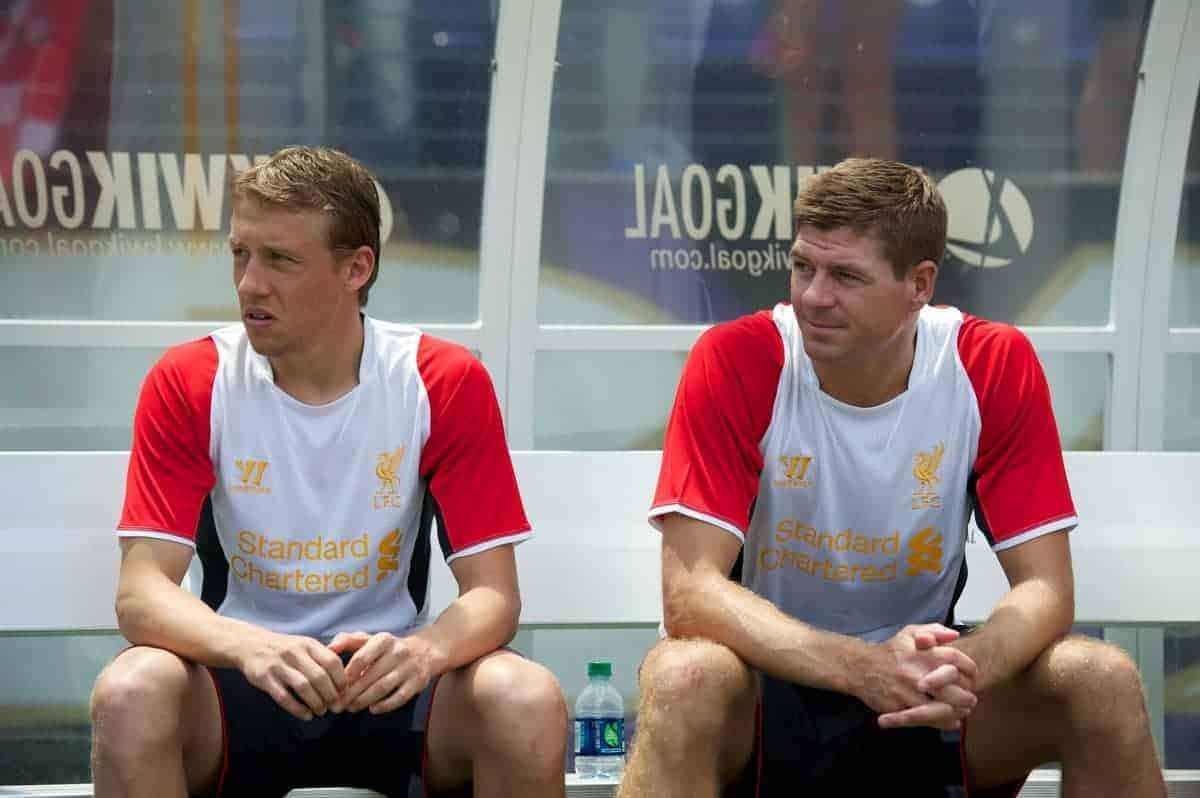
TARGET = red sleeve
x,y
1018,482
466,461
170,471
711,461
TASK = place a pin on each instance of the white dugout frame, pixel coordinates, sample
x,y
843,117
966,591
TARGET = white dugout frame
x,y
508,335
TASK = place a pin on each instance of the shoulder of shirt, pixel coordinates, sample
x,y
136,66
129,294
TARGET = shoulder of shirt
x,y
438,358
753,330
983,335
188,357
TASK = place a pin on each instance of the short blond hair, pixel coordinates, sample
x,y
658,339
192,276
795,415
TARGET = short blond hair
x,y
320,179
897,203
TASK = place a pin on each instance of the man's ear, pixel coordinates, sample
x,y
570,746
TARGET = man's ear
x,y
922,279
360,268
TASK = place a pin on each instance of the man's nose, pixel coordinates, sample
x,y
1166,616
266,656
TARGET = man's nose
x,y
252,281
819,291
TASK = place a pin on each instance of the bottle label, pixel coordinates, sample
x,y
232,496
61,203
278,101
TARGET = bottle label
x,y
599,736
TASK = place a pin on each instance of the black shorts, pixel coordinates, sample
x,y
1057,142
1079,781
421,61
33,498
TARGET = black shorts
x,y
815,742
269,752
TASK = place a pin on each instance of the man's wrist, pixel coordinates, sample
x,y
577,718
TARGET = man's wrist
x,y
858,659
436,659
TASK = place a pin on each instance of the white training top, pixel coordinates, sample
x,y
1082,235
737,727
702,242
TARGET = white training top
x,y
854,519
317,519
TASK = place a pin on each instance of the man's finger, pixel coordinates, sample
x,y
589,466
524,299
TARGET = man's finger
x,y
366,657
399,697
331,662
935,714
955,696
939,677
348,641
362,672
380,688
948,655
305,691
318,679
933,634
284,698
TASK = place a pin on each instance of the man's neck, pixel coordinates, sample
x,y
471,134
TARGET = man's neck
x,y
873,381
326,371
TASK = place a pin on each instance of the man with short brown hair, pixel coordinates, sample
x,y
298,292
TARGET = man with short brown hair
x,y
827,455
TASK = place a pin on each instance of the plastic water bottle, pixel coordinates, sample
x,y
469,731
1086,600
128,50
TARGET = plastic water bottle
x,y
599,726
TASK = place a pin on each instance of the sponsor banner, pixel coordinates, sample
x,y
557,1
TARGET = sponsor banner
x,y
70,194
713,242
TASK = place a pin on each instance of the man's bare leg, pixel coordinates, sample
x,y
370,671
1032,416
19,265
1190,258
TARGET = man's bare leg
x,y
695,721
1081,704
156,727
502,721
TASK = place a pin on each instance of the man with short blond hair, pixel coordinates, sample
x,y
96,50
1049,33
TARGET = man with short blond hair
x,y
304,455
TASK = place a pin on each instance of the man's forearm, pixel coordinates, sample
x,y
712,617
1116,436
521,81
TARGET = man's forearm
x,y
1027,619
478,622
153,611
723,611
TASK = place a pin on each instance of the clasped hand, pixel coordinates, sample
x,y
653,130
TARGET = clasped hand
x,y
307,678
916,679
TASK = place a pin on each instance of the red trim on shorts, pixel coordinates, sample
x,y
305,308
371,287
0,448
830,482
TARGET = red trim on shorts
x,y
758,712
224,734
425,740
962,758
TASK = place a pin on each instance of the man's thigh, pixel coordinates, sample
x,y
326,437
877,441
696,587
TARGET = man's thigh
x,y
1019,724
466,709
172,684
268,751
826,743
703,686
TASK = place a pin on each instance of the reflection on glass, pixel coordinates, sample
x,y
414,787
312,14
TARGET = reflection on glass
x,y
681,131
1079,388
1181,404
621,400
604,401
115,174
70,398
1182,664
44,726
1185,282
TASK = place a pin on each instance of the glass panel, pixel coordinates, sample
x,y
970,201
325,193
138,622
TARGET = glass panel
x,y
1181,404
621,400
1181,661
682,129
1185,283
605,401
44,727
1079,391
70,398
113,190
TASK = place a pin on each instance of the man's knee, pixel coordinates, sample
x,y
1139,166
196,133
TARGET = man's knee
x,y
1098,687
689,675
523,703
137,699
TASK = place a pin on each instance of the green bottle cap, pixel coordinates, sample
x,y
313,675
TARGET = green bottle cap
x,y
600,668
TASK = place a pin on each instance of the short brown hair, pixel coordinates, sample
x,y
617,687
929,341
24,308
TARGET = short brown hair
x,y
320,179
896,202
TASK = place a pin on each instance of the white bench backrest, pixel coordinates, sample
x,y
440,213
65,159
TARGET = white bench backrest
x,y
593,558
